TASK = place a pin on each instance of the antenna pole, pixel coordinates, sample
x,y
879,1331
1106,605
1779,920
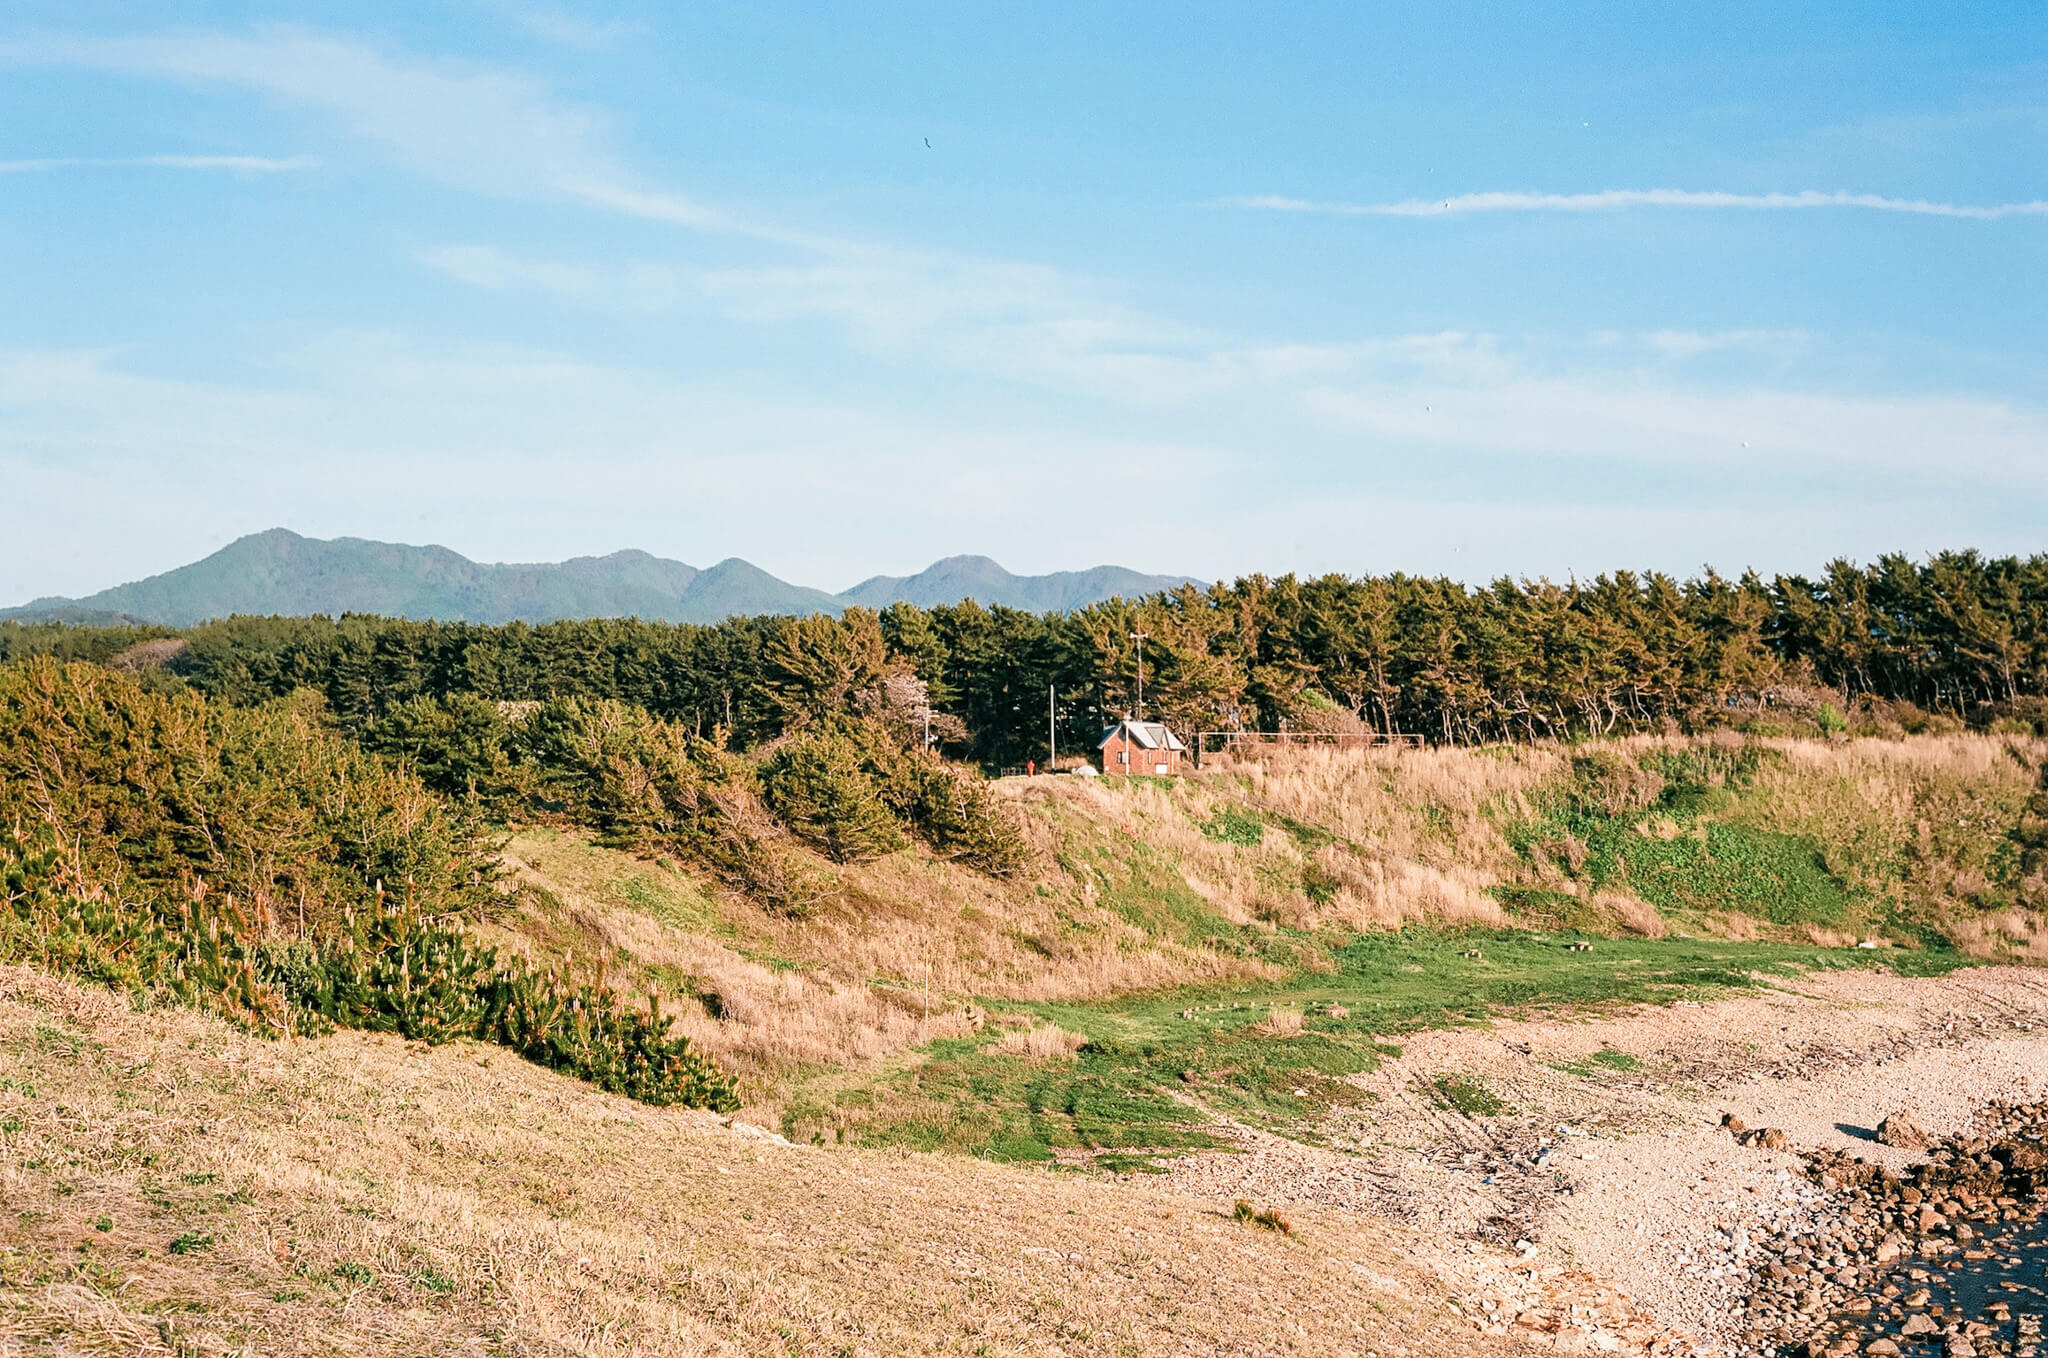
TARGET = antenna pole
x,y
1139,637
1052,728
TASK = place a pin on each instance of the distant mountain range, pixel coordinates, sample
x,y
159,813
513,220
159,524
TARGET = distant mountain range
x,y
279,572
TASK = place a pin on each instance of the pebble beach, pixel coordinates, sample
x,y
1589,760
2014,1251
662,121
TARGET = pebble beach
x,y
1705,1177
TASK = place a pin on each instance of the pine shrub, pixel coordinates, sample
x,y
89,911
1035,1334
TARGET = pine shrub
x,y
818,787
955,812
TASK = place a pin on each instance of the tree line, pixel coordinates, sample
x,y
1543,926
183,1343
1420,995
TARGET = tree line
x,y
1960,634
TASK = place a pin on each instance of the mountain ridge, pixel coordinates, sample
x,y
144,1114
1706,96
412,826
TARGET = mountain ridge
x,y
278,571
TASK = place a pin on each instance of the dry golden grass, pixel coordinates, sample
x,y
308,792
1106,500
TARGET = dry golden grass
x,y
908,947
359,1195
1945,799
660,927
1281,1023
1049,1042
894,962
1633,914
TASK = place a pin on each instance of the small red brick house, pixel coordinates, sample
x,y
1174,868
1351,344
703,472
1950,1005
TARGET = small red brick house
x,y
1141,747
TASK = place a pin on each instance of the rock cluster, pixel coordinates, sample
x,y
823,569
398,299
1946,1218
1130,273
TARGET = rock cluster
x,y
1770,1138
1856,1281
1551,1306
1901,1131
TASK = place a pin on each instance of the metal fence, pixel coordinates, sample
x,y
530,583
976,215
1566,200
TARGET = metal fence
x,y
1257,744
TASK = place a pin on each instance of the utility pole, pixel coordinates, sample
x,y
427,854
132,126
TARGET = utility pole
x,y
1052,728
1139,637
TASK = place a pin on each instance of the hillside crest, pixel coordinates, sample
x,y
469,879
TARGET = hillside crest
x,y
281,572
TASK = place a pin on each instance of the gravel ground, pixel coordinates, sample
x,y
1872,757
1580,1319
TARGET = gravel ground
x,y
1603,1207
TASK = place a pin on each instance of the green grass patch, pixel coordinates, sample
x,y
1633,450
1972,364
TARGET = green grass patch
x,y
1144,886
1605,1060
1156,1068
1777,877
1664,830
1462,1094
1235,827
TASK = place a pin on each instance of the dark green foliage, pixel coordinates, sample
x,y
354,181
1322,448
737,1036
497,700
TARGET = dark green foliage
x,y
385,969
456,745
954,812
590,1032
1960,634
21,641
394,971
819,786
642,783
647,784
821,669
234,859
154,792
389,971
51,923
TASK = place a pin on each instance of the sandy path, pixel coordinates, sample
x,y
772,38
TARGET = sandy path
x,y
1604,1206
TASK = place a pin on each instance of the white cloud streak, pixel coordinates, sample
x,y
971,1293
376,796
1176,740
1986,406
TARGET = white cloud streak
x,y
229,164
476,128
1622,200
632,287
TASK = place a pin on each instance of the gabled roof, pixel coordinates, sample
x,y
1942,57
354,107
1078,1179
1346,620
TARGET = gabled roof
x,y
1146,735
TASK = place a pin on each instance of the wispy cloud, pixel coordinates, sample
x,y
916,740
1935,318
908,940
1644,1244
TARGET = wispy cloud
x,y
631,287
230,164
568,30
1621,200
477,128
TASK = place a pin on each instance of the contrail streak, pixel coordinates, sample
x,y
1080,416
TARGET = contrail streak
x,y
1618,200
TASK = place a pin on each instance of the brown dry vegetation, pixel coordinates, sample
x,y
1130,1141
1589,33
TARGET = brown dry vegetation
x,y
1140,885
176,1187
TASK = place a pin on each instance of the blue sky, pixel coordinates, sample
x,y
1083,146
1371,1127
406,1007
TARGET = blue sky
x,y
1470,289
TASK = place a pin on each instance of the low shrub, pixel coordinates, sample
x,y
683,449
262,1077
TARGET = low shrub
x,y
1268,1219
387,968
150,792
820,787
1610,783
955,812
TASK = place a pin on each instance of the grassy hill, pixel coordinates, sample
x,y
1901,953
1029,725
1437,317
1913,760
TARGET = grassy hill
x,y
1240,940
280,572
976,577
1234,944
176,1187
